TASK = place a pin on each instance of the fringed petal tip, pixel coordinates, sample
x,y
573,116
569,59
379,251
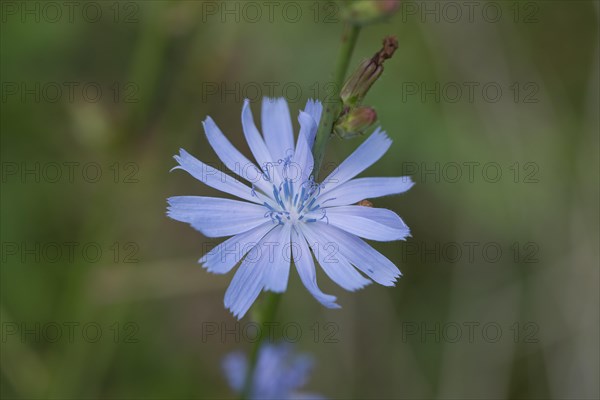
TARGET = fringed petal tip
x,y
333,305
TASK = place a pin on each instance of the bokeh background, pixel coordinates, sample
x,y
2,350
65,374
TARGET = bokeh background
x,y
499,297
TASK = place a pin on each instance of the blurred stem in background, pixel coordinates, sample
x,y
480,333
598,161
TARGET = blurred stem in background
x,y
146,66
333,107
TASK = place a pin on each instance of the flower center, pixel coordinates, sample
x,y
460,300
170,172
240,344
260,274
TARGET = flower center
x,y
294,203
295,199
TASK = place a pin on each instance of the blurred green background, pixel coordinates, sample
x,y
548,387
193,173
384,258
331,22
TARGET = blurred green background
x,y
499,297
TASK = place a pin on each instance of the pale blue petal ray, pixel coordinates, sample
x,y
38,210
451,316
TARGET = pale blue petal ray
x,y
249,279
231,157
364,188
366,224
279,270
359,253
216,217
314,108
213,177
302,164
255,141
306,269
277,127
337,268
380,215
224,256
362,158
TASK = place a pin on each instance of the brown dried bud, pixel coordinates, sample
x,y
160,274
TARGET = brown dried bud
x,y
356,87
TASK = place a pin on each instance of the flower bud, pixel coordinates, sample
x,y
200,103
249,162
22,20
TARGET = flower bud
x,y
355,122
356,87
359,83
364,12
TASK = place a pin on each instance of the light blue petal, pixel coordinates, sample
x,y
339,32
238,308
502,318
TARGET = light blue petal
x,y
235,366
277,127
272,368
359,253
364,188
216,217
232,158
306,269
363,157
279,271
249,279
279,372
380,215
337,268
314,108
223,257
303,161
366,222
298,372
213,177
255,141
344,274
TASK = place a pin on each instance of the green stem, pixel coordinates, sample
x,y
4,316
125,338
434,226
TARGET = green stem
x,y
266,313
333,108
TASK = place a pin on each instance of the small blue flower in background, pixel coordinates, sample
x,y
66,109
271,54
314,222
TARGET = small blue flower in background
x,y
286,214
278,373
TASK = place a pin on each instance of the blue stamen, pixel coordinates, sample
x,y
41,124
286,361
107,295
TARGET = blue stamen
x,y
301,207
266,175
286,189
302,193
